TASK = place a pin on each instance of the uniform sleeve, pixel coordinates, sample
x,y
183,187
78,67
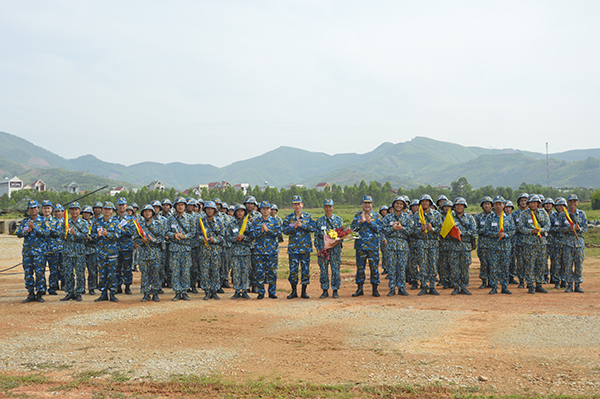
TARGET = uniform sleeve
x,y
21,232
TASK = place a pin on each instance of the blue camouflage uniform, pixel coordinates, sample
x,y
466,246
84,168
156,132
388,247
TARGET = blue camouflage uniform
x,y
180,250
210,255
397,247
196,251
240,251
74,255
107,252
299,246
124,269
90,253
427,245
150,254
52,251
460,250
367,246
225,269
534,247
499,249
483,246
556,249
573,250
333,259
33,253
266,251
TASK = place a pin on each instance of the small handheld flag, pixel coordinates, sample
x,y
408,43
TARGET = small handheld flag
x,y
570,221
244,224
501,225
66,223
449,227
535,223
139,229
422,217
203,230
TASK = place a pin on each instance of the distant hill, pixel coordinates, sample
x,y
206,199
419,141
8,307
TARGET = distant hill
x,y
409,164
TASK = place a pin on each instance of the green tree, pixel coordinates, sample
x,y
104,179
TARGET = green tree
x,y
596,200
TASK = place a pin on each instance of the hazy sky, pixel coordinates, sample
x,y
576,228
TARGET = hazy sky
x,y
220,81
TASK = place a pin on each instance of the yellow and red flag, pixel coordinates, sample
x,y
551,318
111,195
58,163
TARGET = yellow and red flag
x,y
449,227
570,220
422,217
501,225
66,223
244,224
203,230
139,229
535,223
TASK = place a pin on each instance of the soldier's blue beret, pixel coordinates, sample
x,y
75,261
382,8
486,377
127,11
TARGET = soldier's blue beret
x,y
97,204
87,208
296,199
328,201
426,197
46,203
572,197
367,198
74,204
109,205
58,207
265,204
33,204
122,201
210,204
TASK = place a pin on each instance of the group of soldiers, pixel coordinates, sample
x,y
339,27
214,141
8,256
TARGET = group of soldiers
x,y
190,243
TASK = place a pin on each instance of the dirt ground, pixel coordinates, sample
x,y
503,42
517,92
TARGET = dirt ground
x,y
503,344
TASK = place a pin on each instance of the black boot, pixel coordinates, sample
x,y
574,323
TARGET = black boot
x,y
465,291
402,291
39,297
325,294
579,289
483,284
563,284
67,297
304,294
220,291
530,289
557,285
92,292
493,291
455,292
185,296
127,290
539,288
432,290
155,298
262,296
225,284
505,290
392,292
206,295
77,297
359,291
214,295
31,298
335,294
103,297
119,289
294,293
112,297
569,287
160,291
194,290
424,290
245,294
146,298
375,292
414,286
273,296
521,284
177,297
236,295
512,281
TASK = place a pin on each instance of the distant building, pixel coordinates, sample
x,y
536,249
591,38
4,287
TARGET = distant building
x,y
38,185
72,188
7,186
118,190
323,187
200,189
156,185
295,185
243,187
222,185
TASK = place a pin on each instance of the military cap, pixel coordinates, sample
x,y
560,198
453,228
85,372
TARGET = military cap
x,y
441,197
109,205
218,201
122,201
405,198
148,207
210,204
179,200
134,205
273,206
156,203
382,207
250,199
523,195
400,198
231,207
87,208
57,207
296,199
460,201
572,197
74,204
33,204
46,203
414,202
264,204
509,204
549,201
367,198
225,205
130,208
328,201
560,201
240,206
447,203
191,201
486,199
426,197
166,201
97,204
534,198
542,198
498,198
200,201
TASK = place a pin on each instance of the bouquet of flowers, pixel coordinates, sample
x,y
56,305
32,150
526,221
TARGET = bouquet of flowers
x,y
331,239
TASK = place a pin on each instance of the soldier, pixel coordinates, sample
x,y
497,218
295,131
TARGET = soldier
x,y
124,268
274,210
427,244
512,265
59,214
332,258
549,208
573,254
483,242
397,226
90,251
97,209
499,228
51,248
383,211
368,225
149,244
522,204
534,245
231,210
445,250
34,230
106,232
166,212
164,225
241,262
556,261
226,220
412,272
210,255
265,231
298,225
181,232
191,207
251,205
460,250
135,253
74,253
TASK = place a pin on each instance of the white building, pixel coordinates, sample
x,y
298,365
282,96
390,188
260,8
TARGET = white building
x,y
7,186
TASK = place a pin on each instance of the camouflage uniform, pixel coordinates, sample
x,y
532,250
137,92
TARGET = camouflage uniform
x,y
557,248
367,247
499,249
397,247
33,251
107,252
428,245
299,247
124,268
323,225
180,251
90,256
210,255
225,269
150,255
74,256
52,251
266,251
483,246
195,266
574,254
534,247
460,251
240,251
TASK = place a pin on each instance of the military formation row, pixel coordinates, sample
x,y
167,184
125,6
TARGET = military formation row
x,y
190,244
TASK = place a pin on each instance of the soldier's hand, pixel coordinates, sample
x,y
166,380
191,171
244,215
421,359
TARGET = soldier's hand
x,y
429,227
136,246
212,239
577,226
72,231
298,223
368,218
30,224
150,238
264,228
501,234
205,240
397,226
240,237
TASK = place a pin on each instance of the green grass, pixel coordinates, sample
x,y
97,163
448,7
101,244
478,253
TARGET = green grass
x,y
8,382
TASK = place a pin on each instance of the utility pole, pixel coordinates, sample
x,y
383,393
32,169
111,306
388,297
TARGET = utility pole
x,y
547,167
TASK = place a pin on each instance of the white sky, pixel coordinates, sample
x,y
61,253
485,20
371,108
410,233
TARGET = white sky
x,y
220,81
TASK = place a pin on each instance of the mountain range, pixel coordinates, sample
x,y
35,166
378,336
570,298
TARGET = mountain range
x,y
409,164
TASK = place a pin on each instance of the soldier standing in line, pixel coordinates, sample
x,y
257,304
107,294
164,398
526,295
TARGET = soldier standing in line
x,y
499,228
240,242
33,230
226,246
483,242
412,272
124,269
333,259
265,231
549,208
59,214
427,235
444,261
211,255
106,232
574,254
397,226
368,225
90,252
74,253
534,246
299,225
157,206
512,265
181,232
517,216
149,245
251,206
556,262
166,212
460,250
191,206
51,248
383,211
